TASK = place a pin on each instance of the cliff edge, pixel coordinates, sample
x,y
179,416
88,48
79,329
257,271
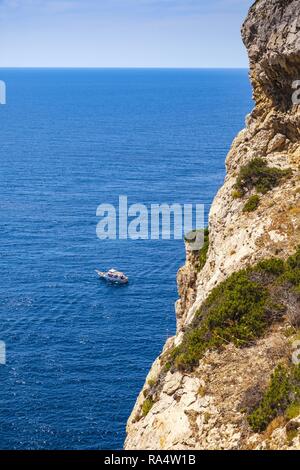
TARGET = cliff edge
x,y
230,377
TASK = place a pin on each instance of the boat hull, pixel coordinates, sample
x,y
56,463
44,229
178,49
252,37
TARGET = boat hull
x,y
111,280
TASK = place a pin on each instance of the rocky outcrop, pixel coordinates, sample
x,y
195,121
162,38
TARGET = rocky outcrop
x,y
271,35
187,285
205,408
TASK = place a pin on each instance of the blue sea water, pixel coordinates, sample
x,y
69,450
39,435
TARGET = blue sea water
x,y
78,350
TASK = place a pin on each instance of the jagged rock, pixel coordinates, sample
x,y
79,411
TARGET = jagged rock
x,y
276,143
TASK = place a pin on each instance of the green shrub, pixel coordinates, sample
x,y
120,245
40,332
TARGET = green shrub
x,y
297,290
290,435
257,174
204,250
274,266
237,194
291,275
147,405
294,260
281,397
293,411
252,204
274,402
151,382
237,311
234,312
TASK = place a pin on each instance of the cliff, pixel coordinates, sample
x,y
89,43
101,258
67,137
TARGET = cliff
x,y
227,379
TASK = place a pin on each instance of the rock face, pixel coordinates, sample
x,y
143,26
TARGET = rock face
x,y
204,409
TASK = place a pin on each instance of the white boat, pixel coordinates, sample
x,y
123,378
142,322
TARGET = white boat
x,y
113,276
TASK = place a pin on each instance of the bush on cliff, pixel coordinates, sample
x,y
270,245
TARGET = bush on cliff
x,y
275,266
238,310
204,250
257,174
147,405
234,312
252,203
292,272
282,398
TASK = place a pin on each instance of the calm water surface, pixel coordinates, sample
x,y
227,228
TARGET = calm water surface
x,y
78,350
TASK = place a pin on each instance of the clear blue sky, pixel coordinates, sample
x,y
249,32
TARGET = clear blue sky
x,y
122,33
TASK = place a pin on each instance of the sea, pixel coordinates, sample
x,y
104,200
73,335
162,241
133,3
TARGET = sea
x,y
77,349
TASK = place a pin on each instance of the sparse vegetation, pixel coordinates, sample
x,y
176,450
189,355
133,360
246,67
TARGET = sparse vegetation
x,y
238,310
289,331
290,436
257,174
273,266
204,250
237,194
278,422
282,398
293,411
234,312
147,405
252,203
201,391
292,272
151,383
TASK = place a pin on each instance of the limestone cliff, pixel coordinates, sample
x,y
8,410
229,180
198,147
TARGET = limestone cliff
x,y
205,406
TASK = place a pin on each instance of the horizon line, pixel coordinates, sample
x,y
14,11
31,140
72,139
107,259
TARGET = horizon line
x,y
120,68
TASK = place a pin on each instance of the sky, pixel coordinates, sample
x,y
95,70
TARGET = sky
x,y
122,33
